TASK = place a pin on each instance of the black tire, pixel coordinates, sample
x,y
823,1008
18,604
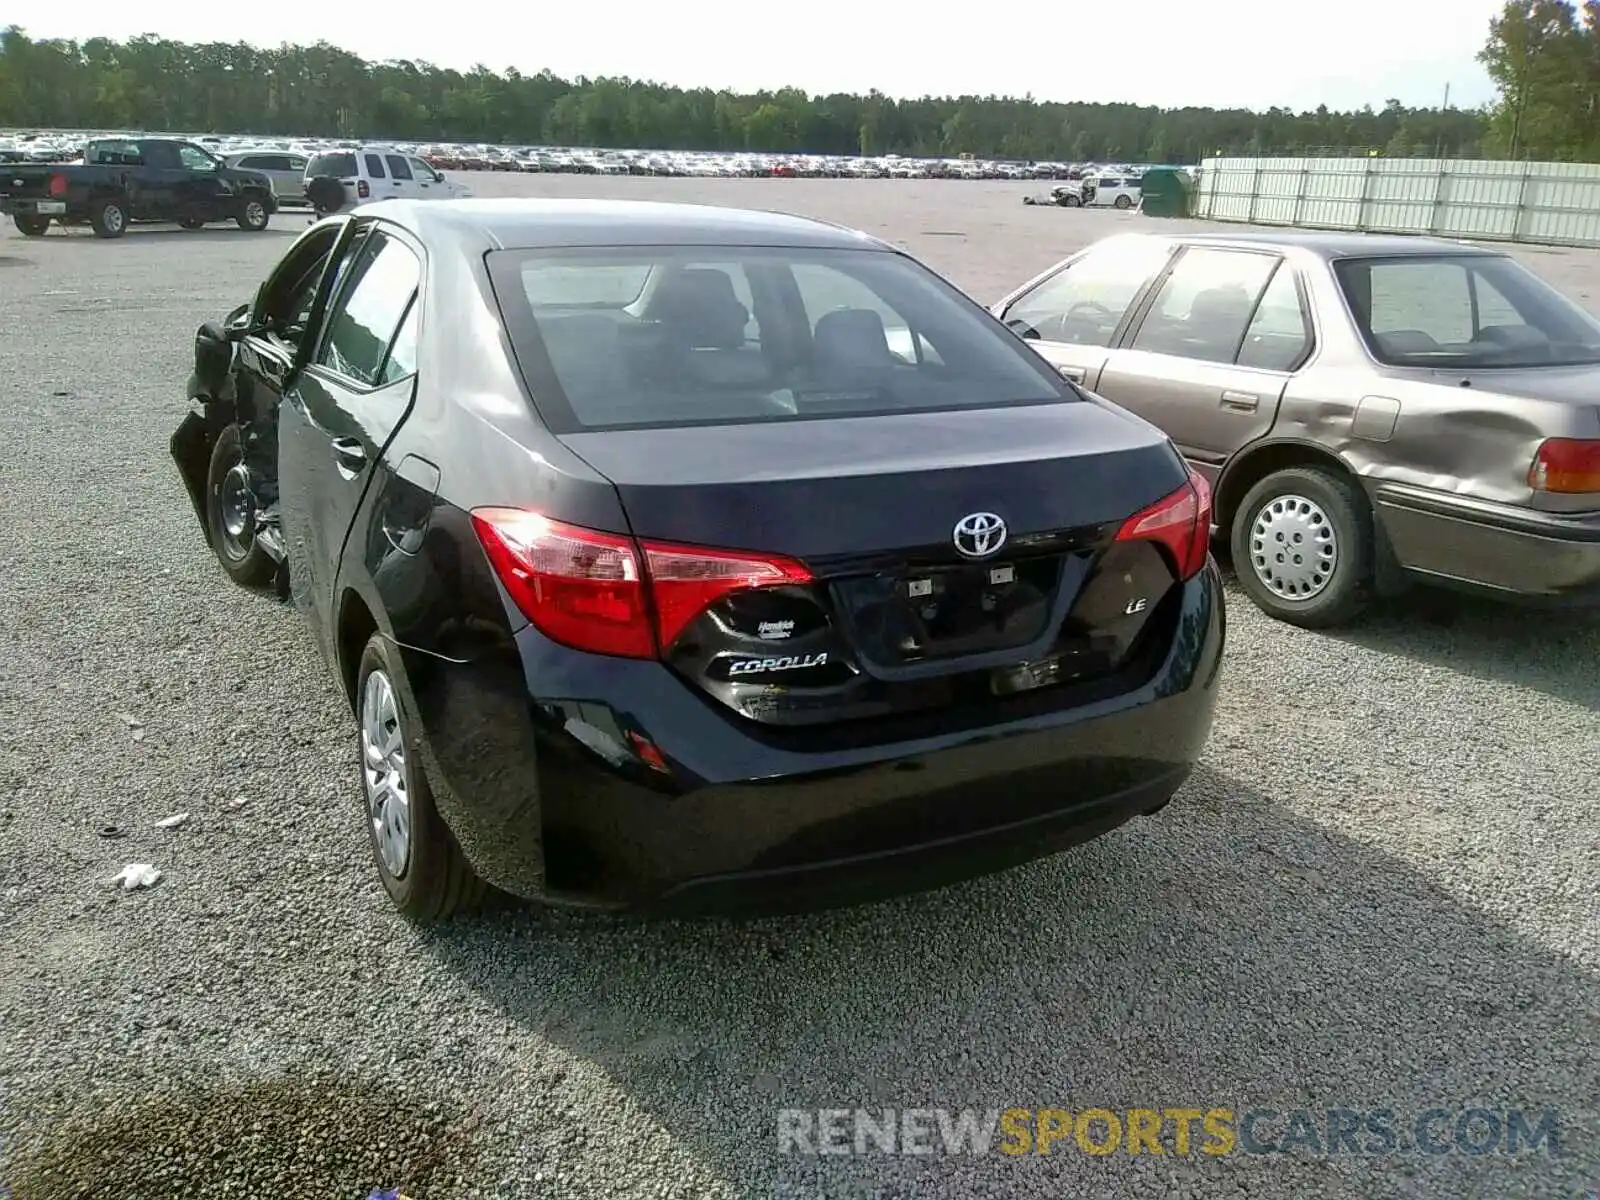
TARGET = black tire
x,y
1323,500
1123,202
31,225
191,222
244,558
253,216
432,880
108,218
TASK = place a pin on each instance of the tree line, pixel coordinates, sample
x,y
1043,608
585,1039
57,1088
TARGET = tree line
x,y
319,90
1543,54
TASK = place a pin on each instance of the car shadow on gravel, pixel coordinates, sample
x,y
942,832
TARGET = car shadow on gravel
x,y
1226,953
1549,651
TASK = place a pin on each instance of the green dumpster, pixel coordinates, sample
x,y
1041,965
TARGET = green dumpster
x,y
1165,192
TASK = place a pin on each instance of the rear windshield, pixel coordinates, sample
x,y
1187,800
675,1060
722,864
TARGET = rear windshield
x,y
652,336
340,166
1467,311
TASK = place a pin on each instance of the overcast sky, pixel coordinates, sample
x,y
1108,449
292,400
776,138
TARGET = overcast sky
x,y
1222,53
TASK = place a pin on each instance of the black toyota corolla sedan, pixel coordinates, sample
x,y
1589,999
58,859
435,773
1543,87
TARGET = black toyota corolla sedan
x,y
679,557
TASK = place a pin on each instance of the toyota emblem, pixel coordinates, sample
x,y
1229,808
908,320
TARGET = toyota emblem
x,y
979,534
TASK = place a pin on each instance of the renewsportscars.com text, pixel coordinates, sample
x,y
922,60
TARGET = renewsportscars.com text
x,y
1168,1131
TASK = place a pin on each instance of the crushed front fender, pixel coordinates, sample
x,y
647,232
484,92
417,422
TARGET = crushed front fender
x,y
191,447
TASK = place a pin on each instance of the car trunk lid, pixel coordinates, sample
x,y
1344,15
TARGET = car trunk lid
x,y
917,599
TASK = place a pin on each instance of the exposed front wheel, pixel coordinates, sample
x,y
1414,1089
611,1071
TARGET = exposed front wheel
x,y
253,215
421,865
31,225
191,222
1124,202
231,513
108,218
1302,547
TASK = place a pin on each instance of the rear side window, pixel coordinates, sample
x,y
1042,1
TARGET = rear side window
x,y
665,337
374,165
340,166
397,166
369,309
1205,304
1279,337
253,162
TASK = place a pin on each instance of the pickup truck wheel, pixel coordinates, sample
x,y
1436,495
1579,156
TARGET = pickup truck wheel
x,y
253,216
231,514
108,218
30,225
1302,547
418,858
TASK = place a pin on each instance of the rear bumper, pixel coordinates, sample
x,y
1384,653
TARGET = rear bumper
x,y
33,208
1497,549
556,799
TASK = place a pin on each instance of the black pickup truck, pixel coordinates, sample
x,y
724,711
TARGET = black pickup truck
x,y
135,179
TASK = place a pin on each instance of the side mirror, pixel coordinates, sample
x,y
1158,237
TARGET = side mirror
x,y
213,357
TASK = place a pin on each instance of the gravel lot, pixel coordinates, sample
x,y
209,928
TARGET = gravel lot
x,y
1379,892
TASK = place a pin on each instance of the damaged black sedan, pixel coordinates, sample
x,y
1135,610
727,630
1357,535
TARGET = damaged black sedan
x,y
674,556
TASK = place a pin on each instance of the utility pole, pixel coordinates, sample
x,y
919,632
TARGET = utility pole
x,y
1438,141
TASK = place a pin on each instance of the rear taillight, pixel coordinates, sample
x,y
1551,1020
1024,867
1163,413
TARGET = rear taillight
x,y
1570,466
58,185
1181,522
606,593
363,189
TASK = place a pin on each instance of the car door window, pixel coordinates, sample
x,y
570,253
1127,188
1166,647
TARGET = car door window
x,y
195,159
369,308
249,163
398,167
374,165
1205,303
401,360
1279,336
1084,303
423,171
292,288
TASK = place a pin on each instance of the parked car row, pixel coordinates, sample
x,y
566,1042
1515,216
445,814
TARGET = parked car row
x,y
668,556
56,147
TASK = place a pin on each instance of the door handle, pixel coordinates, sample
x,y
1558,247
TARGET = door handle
x,y
1241,401
350,456
1076,374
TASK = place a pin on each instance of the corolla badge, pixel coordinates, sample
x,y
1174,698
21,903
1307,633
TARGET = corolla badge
x,y
979,534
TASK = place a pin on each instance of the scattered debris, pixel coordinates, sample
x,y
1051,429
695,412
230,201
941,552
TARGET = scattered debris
x,y
131,721
237,802
111,831
173,821
137,875
138,733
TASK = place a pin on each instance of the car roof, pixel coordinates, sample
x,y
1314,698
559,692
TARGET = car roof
x,y
504,224
1331,244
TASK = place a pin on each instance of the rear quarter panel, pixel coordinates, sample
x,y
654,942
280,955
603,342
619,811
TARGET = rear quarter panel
x,y
1446,432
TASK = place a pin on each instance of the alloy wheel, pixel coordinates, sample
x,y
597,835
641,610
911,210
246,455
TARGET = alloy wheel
x,y
383,771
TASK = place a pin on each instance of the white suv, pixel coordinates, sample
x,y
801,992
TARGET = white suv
x,y
380,173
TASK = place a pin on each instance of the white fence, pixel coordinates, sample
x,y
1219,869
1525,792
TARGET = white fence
x,y
1554,204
